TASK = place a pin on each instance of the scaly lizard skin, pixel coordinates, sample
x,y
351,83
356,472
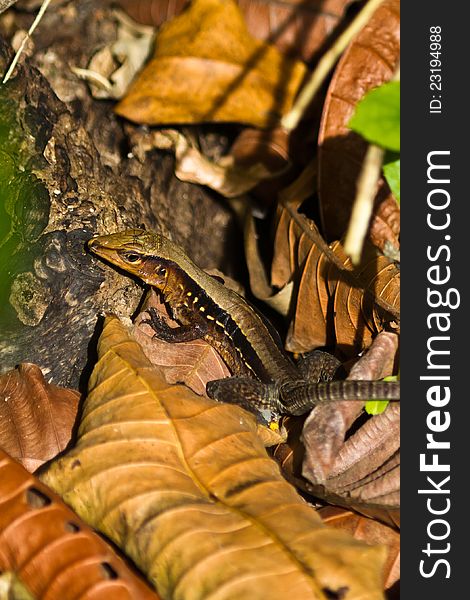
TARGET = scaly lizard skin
x,y
264,379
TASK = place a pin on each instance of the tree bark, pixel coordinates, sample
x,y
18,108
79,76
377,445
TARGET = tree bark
x,y
67,173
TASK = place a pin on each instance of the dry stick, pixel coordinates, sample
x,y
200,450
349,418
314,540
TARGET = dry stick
x,y
35,23
325,64
365,195
364,202
310,229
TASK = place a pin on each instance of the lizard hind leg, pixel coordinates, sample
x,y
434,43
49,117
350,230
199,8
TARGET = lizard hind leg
x,y
318,365
261,399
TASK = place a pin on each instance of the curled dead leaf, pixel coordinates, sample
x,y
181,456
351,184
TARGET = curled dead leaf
x,y
362,473
112,68
333,304
185,487
225,176
369,61
36,418
53,553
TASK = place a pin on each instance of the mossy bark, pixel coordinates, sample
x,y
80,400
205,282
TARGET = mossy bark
x,y
66,175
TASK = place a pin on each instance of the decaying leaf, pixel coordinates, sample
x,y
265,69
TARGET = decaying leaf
x,y
192,363
51,551
113,67
370,531
363,472
325,428
369,61
225,176
259,282
333,306
184,486
207,67
36,418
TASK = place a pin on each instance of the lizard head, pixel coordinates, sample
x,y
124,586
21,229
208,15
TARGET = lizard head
x,y
144,254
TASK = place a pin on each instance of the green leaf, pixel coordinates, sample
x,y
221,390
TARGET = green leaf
x,y
377,116
375,407
391,169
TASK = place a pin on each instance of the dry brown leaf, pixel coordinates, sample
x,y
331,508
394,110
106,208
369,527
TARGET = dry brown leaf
x,y
326,427
207,67
36,418
363,473
370,531
185,487
259,283
192,363
296,27
369,61
53,553
333,307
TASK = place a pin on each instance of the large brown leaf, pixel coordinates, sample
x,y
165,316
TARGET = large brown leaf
x,y
52,552
185,487
370,531
369,61
207,67
36,418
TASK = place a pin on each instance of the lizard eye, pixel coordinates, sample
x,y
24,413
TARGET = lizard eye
x,y
162,271
131,257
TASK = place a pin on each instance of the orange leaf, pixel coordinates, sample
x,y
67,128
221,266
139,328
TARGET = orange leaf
x,y
184,485
207,67
54,554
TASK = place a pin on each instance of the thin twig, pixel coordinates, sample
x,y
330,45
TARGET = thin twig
x,y
35,23
364,202
325,64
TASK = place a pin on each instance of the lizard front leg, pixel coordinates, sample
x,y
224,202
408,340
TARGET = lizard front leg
x,y
183,333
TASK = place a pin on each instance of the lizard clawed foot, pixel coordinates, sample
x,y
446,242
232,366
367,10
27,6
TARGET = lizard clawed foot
x,y
183,333
157,323
261,399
